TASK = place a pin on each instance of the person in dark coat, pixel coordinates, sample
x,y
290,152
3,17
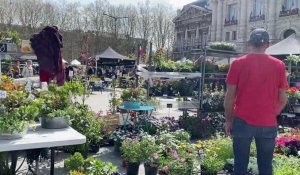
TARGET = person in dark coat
x,y
47,46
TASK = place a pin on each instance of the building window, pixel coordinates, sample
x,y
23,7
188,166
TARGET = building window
x,y
232,13
289,7
258,10
234,35
227,36
288,33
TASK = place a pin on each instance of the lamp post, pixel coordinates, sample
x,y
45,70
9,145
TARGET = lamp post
x,y
115,20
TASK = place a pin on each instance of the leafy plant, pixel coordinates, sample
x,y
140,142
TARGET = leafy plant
x,y
286,165
293,59
223,46
75,162
150,150
77,165
133,94
11,34
131,150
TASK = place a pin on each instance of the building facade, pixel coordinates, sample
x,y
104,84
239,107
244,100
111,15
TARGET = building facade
x,y
192,28
233,20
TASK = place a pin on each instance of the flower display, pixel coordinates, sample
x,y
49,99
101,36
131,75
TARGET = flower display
x,y
288,144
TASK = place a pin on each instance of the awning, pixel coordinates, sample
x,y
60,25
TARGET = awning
x,y
75,63
109,53
290,45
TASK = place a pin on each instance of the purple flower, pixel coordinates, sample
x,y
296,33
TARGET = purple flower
x,y
175,154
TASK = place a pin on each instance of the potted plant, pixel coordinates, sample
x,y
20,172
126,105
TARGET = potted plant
x,y
150,151
53,105
131,152
15,110
76,164
133,97
293,97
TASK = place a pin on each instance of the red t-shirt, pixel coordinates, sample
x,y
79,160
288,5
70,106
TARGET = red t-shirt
x,y
258,78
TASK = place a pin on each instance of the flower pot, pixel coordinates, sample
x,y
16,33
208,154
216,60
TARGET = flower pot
x,y
150,170
55,123
14,135
296,109
132,104
94,147
133,168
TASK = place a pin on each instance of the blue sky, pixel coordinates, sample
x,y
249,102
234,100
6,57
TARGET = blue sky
x,y
175,3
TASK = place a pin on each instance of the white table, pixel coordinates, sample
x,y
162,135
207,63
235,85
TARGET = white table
x,y
44,138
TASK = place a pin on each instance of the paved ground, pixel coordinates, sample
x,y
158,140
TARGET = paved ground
x,y
100,102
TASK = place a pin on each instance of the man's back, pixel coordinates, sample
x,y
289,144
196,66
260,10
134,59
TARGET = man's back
x,y
258,78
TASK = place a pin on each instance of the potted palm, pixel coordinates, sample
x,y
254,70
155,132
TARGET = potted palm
x,y
131,152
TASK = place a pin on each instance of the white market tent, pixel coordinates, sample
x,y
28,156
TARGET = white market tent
x,y
288,46
75,63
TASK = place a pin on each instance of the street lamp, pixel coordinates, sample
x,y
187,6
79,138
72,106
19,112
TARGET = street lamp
x,y
115,18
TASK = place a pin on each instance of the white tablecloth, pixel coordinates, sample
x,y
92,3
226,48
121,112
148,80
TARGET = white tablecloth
x,y
44,138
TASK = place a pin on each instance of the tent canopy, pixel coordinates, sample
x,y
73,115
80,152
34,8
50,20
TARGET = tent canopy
x,y
290,45
75,63
109,53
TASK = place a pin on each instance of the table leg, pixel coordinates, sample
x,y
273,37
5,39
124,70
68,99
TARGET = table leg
x,y
52,161
14,159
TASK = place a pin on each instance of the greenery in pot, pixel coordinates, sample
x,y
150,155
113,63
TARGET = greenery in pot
x,y
133,94
179,160
131,150
76,164
223,46
150,150
10,123
83,120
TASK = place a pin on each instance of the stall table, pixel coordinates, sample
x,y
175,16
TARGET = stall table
x,y
44,138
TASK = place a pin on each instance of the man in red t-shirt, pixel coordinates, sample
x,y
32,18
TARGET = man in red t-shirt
x,y
256,94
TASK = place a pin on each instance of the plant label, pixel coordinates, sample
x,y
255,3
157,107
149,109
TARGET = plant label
x,y
3,94
169,105
71,73
31,96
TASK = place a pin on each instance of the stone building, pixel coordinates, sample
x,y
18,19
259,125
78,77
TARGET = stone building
x,y
192,28
233,20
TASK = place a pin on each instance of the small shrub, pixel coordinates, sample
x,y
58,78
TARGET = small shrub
x,y
74,163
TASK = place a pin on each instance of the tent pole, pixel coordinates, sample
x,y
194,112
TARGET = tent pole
x,y
96,71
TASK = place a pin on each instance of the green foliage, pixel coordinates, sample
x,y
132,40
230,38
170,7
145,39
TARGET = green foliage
x,y
11,34
58,113
84,121
131,150
77,165
294,59
75,162
212,165
284,165
223,46
148,149
133,94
